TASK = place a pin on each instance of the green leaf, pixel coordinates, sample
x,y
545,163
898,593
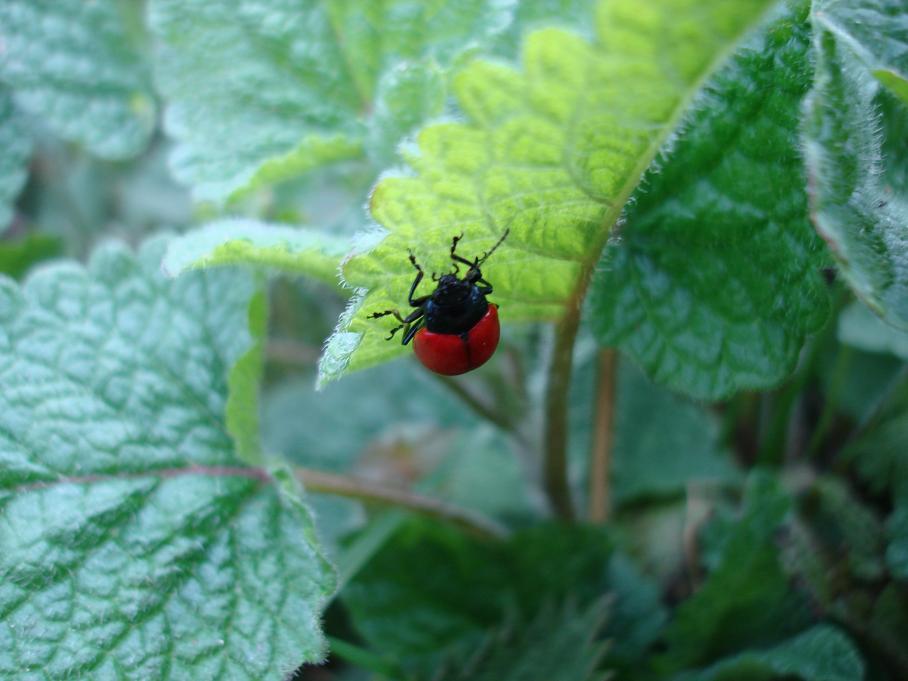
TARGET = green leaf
x,y
135,543
860,328
850,529
557,644
855,206
551,151
72,65
261,90
296,251
877,32
406,95
661,462
819,654
431,593
878,453
746,600
16,142
897,531
714,281
17,256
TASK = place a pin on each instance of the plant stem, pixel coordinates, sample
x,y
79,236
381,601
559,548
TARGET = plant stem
x,y
603,437
475,405
554,468
372,492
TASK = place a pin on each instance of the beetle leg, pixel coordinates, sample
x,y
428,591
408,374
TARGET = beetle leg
x,y
416,302
404,321
456,258
411,331
485,288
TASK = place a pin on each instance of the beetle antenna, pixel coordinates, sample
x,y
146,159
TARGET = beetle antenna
x,y
413,261
486,255
454,243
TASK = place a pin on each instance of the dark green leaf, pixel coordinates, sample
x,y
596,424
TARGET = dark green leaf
x,y
557,644
746,600
432,593
714,281
897,531
819,654
17,256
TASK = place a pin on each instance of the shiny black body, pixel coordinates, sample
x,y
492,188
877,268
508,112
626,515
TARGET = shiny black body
x,y
454,307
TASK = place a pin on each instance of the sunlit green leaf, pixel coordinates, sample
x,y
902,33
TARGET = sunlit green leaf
x,y
136,544
551,151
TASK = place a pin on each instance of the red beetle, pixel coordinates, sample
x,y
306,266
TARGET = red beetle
x,y
454,329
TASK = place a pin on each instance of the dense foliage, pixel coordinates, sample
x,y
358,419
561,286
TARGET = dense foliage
x,y
687,461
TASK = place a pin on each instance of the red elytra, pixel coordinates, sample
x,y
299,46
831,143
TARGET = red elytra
x,y
455,328
452,354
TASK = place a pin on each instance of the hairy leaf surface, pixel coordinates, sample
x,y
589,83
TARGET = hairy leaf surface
x,y
261,90
877,31
71,64
249,242
550,151
136,543
714,280
858,205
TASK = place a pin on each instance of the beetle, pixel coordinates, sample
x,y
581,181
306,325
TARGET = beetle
x,y
455,328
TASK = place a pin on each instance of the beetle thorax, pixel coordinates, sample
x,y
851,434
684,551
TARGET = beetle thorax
x,y
455,306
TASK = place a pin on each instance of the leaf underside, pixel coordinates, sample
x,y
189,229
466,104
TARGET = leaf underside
x,y
135,543
551,151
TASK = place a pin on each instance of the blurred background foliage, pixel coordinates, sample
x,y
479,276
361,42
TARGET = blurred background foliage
x,y
761,536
